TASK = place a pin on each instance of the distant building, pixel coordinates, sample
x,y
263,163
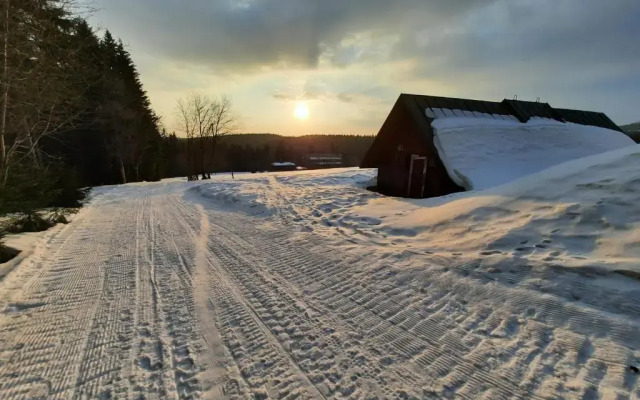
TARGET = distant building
x,y
283,166
324,160
413,160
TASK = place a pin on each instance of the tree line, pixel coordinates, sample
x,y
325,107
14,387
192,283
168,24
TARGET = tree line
x,y
256,152
73,112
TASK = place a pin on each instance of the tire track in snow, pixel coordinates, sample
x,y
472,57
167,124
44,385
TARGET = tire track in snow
x,y
213,368
294,317
53,312
232,309
470,361
367,316
75,318
324,356
104,370
149,359
238,267
223,376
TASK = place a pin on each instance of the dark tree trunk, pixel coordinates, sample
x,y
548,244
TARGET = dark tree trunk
x,y
5,89
123,173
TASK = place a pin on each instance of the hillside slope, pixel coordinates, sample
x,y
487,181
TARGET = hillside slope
x,y
631,127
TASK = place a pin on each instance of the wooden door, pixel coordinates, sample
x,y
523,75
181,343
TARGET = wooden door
x,y
417,174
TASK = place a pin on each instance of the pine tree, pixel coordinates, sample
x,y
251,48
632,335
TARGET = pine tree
x,y
134,140
73,111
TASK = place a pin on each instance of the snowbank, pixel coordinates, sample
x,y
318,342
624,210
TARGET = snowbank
x,y
480,151
580,214
24,244
583,213
306,196
236,195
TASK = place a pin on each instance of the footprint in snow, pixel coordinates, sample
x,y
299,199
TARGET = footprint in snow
x,y
490,252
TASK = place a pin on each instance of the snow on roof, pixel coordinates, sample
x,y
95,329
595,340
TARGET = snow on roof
x,y
486,150
435,113
283,164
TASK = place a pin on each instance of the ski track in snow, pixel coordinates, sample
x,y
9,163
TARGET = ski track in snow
x,y
156,291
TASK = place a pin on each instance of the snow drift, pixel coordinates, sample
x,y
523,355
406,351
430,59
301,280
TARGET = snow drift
x,y
578,214
480,151
582,213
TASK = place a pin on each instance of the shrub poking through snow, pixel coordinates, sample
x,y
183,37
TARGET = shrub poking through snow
x,y
30,222
37,221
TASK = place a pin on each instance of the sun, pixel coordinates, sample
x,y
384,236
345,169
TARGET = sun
x,y
301,111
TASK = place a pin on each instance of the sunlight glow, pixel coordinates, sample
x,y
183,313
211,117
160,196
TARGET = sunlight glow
x,y
301,111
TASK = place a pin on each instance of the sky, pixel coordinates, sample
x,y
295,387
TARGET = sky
x,y
298,67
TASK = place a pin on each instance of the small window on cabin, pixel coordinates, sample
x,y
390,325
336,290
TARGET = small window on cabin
x,y
400,147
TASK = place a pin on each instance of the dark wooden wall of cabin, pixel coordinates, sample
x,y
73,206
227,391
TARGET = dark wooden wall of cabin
x,y
400,140
400,137
438,182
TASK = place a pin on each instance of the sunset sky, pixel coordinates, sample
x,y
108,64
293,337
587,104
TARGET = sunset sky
x,y
336,66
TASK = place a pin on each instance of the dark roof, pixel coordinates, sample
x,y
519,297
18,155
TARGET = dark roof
x,y
415,106
523,110
588,118
487,107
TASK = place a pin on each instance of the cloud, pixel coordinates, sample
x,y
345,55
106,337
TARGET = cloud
x,y
353,52
231,34
290,33
563,35
328,95
347,87
567,52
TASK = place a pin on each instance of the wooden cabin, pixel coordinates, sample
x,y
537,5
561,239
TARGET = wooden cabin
x,y
404,152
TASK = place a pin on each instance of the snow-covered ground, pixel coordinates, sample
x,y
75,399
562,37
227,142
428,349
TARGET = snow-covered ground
x,y
27,243
24,244
305,285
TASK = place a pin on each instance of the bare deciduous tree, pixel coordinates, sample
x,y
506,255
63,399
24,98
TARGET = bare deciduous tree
x,y
204,121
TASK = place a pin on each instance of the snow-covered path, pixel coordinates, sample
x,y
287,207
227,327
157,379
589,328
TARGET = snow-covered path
x,y
155,291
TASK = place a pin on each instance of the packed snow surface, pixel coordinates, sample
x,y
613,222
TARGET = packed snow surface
x,y
26,244
22,244
480,151
305,285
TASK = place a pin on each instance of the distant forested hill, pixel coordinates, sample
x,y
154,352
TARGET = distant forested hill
x,y
256,151
632,130
631,127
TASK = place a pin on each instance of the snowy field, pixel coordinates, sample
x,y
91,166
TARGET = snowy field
x,y
305,285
